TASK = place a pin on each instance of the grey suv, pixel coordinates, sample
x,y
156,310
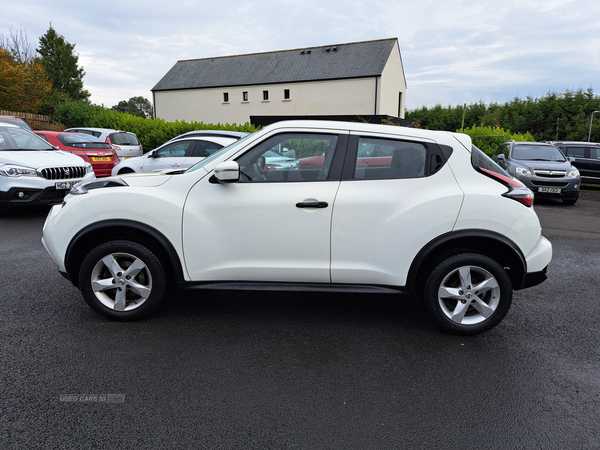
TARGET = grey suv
x,y
543,168
585,156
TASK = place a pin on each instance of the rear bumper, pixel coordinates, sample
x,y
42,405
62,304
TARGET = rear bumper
x,y
533,279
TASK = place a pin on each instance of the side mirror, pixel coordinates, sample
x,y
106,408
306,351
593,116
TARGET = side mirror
x,y
227,172
571,159
501,157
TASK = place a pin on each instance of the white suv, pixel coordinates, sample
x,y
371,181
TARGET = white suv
x,y
33,172
378,209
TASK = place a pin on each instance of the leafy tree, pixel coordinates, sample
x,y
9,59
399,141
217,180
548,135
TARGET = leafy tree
x,y
60,62
23,86
136,106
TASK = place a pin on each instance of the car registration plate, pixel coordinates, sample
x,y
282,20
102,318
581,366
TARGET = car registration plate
x,y
96,158
65,184
549,190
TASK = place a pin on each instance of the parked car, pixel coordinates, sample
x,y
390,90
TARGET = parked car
x,y
126,144
442,220
179,154
211,133
14,121
543,168
32,172
585,156
98,153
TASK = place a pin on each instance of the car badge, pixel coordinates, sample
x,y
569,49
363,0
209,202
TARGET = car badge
x,y
67,172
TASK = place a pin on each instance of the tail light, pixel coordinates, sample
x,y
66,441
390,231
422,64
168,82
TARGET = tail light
x,y
516,190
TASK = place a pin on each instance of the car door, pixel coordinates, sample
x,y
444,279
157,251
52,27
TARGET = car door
x,y
170,156
393,199
581,159
274,224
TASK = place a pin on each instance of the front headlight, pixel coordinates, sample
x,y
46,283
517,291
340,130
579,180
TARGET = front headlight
x,y
523,171
88,168
573,173
17,171
83,187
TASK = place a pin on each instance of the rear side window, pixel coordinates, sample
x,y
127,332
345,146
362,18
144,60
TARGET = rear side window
x,y
123,139
383,159
594,153
480,160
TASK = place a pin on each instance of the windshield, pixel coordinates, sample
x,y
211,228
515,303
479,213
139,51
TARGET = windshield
x,y
218,153
12,138
537,153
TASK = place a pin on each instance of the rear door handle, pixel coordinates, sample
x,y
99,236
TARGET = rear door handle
x,y
312,205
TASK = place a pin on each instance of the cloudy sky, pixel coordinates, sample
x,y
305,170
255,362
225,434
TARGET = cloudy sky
x,y
453,51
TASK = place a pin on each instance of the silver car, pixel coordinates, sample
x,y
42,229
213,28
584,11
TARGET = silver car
x,y
125,144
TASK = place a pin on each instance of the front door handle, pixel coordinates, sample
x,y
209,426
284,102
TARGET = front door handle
x,y
312,205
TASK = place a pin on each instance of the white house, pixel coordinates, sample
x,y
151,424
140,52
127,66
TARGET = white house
x,y
360,78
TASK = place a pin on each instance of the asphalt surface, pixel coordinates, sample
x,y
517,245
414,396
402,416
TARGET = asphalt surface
x,y
266,370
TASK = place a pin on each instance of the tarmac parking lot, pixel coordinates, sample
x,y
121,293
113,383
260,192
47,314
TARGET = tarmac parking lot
x,y
271,370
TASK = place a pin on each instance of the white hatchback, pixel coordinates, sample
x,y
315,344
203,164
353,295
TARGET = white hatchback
x,y
179,154
124,143
430,214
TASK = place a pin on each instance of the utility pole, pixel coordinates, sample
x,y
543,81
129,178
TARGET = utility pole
x,y
590,134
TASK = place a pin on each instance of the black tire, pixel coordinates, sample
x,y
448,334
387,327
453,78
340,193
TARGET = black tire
x,y
467,294
570,201
131,289
125,171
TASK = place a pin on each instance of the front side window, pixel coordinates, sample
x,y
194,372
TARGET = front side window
x,y
289,157
389,159
176,149
576,152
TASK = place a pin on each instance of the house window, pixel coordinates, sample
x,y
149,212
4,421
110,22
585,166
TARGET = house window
x,y
245,96
225,97
286,94
265,95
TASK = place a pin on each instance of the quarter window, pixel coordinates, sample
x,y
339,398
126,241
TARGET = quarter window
x,y
380,159
293,157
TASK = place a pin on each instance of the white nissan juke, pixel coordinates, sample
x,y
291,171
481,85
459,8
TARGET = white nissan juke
x,y
378,209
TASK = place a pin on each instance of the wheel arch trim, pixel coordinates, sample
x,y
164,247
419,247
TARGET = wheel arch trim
x,y
127,229
489,243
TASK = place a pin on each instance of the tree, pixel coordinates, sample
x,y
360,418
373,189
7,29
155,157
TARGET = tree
x,y
60,62
23,87
17,43
137,106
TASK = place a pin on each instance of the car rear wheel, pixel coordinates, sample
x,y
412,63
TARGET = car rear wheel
x,y
467,294
122,280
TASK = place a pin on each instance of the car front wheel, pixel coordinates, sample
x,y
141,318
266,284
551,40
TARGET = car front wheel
x,y
122,280
467,294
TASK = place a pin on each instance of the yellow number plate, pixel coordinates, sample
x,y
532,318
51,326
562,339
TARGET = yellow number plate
x,y
100,159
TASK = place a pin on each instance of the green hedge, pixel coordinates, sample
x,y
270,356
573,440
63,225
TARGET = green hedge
x,y
494,137
151,133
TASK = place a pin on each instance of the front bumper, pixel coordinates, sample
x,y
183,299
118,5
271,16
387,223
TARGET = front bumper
x,y
566,187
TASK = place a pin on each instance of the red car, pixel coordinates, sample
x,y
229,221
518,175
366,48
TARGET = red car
x,y
98,153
